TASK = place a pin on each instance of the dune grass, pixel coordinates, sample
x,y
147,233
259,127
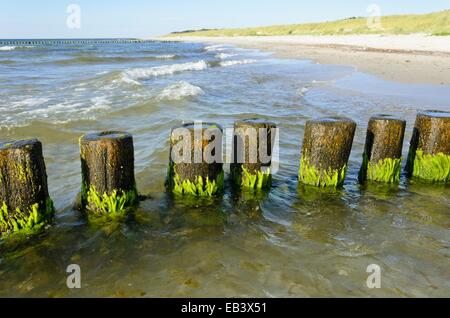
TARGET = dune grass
x,y
437,23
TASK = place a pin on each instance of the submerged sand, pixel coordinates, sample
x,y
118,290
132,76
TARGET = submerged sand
x,y
404,58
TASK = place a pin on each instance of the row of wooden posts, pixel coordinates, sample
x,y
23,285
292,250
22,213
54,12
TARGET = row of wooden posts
x,y
107,161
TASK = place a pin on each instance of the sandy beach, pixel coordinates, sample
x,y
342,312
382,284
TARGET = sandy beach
x,y
403,58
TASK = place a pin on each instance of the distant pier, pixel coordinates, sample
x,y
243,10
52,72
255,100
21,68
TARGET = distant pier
x,y
75,41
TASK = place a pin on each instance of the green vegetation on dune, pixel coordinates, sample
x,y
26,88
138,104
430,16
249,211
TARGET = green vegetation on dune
x,y
437,23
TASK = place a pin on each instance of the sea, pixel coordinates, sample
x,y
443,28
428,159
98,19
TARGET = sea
x,y
291,241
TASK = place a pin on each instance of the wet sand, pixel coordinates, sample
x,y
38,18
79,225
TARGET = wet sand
x,y
409,58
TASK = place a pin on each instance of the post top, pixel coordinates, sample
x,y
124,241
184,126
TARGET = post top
x,y
332,120
254,122
199,125
387,117
435,113
104,135
17,144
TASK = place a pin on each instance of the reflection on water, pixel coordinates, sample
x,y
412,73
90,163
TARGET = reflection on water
x,y
292,241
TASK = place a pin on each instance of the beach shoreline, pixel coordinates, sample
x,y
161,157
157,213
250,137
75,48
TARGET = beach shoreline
x,y
401,58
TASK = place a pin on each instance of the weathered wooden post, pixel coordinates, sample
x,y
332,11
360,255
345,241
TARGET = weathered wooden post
x,y
107,164
429,153
326,150
196,165
382,158
25,203
253,143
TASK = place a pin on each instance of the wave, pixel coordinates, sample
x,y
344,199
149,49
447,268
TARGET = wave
x,y
126,79
27,103
236,62
142,73
214,48
47,110
223,56
113,59
302,91
12,48
7,48
179,91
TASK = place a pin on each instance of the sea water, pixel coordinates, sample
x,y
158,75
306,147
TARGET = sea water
x,y
290,242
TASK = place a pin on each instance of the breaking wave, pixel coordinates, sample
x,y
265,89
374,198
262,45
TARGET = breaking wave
x,y
223,56
142,73
179,91
113,59
11,47
7,48
213,48
236,62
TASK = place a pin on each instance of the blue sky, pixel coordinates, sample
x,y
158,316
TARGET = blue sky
x,y
139,18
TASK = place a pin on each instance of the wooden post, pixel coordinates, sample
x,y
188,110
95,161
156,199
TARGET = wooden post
x,y
107,164
253,142
326,150
382,158
429,153
25,205
195,165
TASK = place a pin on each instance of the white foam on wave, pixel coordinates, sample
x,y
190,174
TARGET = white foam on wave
x,y
224,56
142,73
68,111
127,79
28,103
236,62
216,47
302,91
179,91
11,47
165,56
98,103
7,48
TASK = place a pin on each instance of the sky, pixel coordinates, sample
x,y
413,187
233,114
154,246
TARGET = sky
x,y
140,18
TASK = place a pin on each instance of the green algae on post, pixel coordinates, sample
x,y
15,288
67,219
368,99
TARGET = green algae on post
x,y
199,187
310,175
25,205
112,205
253,145
254,181
429,153
108,181
435,168
195,164
326,149
382,158
386,170
27,222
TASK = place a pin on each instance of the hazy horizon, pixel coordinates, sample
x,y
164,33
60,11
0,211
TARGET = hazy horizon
x,y
140,19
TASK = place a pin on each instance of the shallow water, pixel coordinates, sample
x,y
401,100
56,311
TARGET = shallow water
x,y
292,242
